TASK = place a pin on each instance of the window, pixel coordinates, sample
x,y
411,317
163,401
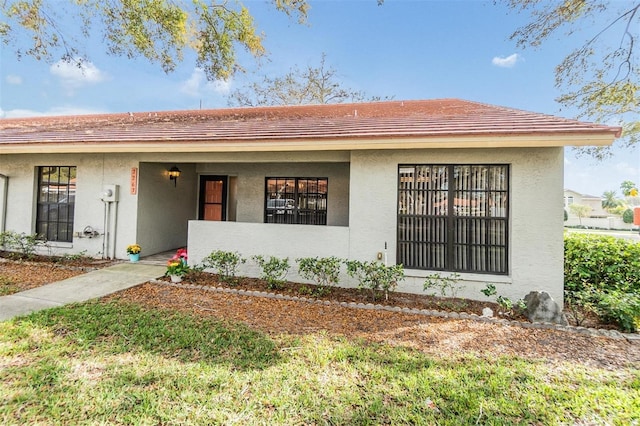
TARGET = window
x,y
453,217
56,202
296,200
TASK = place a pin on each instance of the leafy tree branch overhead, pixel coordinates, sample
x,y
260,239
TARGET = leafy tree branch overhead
x,y
158,30
601,77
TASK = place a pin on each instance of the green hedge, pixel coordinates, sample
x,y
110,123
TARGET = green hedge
x,y
602,261
602,275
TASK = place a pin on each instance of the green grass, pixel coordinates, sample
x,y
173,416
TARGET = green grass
x,y
7,286
116,363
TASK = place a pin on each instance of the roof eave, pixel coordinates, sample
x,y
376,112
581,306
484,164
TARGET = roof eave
x,y
315,144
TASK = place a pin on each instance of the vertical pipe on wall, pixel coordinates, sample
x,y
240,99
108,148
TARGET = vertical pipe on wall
x,y
115,229
105,234
3,212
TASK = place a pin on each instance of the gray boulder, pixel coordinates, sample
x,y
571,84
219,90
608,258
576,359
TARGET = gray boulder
x,y
542,308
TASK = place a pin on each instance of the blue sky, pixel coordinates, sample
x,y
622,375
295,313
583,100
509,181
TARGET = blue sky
x,y
404,49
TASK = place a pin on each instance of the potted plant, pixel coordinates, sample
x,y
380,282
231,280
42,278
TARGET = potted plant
x,y
177,266
133,250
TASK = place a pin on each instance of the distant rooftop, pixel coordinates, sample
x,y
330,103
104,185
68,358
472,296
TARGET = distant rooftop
x,y
397,120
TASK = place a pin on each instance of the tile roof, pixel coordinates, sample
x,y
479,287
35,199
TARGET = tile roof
x,y
311,123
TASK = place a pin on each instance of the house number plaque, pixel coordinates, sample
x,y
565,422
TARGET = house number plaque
x,y
133,184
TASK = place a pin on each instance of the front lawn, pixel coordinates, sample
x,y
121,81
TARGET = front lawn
x,y
119,363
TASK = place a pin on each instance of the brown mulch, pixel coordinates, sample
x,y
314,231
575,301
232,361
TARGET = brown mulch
x,y
447,338
15,277
21,275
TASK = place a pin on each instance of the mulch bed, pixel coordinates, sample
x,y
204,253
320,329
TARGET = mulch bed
x,y
446,338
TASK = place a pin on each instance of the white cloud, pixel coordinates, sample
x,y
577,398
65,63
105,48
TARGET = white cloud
x,y
64,110
508,62
14,79
77,73
198,86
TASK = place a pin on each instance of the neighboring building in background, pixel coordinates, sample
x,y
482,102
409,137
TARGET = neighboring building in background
x,y
573,197
598,218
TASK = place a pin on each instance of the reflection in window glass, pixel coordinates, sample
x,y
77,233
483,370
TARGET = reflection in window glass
x,y
56,202
296,200
453,217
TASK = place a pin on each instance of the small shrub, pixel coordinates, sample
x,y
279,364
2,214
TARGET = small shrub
x,y
619,308
508,306
225,263
489,290
22,244
73,257
274,270
324,271
375,276
448,286
580,304
313,291
627,216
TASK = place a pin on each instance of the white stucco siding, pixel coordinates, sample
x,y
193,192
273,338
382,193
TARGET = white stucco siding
x,y
362,207
164,207
20,193
283,241
536,219
93,172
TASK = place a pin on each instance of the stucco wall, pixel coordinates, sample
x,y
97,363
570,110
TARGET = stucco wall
x,y
367,179
536,225
249,239
165,207
93,172
156,217
536,220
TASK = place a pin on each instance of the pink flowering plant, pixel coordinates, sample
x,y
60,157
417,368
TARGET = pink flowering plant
x,y
177,265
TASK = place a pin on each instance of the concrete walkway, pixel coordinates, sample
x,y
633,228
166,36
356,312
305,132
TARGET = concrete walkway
x,y
79,288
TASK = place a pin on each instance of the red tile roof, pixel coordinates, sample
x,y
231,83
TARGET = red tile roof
x,y
375,120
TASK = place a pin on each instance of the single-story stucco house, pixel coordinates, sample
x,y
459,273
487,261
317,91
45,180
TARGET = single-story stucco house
x,y
593,201
438,186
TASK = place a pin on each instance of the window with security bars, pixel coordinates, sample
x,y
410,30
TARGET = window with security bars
x,y
296,200
453,218
56,202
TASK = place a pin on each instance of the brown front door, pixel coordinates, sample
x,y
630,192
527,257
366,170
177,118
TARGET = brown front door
x,y
213,198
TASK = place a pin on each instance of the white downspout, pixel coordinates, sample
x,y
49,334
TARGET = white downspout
x,y
105,232
5,197
115,229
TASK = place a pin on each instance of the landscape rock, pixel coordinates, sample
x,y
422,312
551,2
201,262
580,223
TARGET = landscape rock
x,y
487,312
542,308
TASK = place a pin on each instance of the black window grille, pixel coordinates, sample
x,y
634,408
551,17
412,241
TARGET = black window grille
x,y
296,200
56,202
453,217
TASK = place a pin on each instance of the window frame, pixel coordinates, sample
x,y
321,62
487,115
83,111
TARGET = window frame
x,y
58,206
474,220
290,211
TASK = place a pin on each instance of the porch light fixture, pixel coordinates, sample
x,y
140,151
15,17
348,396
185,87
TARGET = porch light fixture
x,y
174,174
